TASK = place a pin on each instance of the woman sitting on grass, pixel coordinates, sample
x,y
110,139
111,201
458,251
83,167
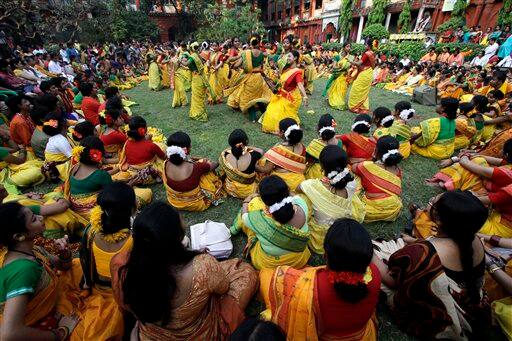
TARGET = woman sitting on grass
x,y
307,304
190,183
358,145
57,154
400,129
382,181
238,163
287,159
175,293
326,129
333,197
111,135
435,137
276,226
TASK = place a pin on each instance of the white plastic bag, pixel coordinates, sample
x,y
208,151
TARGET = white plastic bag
x,y
213,236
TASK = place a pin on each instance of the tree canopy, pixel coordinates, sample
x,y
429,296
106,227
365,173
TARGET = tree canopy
x,y
345,18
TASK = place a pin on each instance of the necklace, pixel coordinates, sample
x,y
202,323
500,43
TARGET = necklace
x,y
25,253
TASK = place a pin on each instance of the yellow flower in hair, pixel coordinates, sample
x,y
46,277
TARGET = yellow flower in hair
x,y
97,227
76,152
95,219
157,135
368,276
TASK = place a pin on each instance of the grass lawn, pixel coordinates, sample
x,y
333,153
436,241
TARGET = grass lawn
x,y
210,139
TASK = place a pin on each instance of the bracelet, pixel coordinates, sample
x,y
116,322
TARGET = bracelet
x,y
493,268
61,333
455,159
495,240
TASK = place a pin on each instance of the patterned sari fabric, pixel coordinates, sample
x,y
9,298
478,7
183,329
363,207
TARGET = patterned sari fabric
x,y
500,223
427,303
358,146
214,308
208,192
313,150
358,99
236,183
291,298
437,139
337,85
326,207
283,104
494,147
383,189
293,163
465,131
402,132
180,79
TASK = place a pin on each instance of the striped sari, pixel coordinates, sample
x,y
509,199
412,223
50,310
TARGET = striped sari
x,y
294,165
236,183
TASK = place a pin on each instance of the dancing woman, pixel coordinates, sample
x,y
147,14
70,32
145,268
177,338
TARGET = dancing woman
x,y
358,100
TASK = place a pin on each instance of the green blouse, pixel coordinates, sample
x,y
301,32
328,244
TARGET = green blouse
x,y
93,183
19,277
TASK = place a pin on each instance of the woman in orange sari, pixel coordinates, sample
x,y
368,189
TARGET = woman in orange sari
x,y
288,99
307,303
287,159
358,145
382,181
175,293
30,286
358,99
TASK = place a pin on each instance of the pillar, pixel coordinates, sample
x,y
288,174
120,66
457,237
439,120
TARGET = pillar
x,y
478,13
292,9
420,17
360,29
388,20
301,9
137,4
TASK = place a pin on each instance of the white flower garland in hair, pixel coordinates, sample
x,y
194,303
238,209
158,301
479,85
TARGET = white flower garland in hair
x,y
326,128
404,114
205,45
175,150
366,124
335,177
387,119
290,129
278,205
389,153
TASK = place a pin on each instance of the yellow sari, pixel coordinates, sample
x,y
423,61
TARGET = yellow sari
x,y
199,87
199,199
466,131
337,86
62,163
215,79
284,104
326,207
294,165
181,77
386,205
290,297
310,73
24,175
437,139
154,76
236,183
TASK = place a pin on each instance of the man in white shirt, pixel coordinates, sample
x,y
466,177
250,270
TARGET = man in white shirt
x,y
405,61
506,62
479,60
55,67
63,53
491,50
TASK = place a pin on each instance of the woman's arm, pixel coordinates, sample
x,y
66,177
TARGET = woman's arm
x,y
384,272
266,168
302,90
495,161
475,168
16,160
58,207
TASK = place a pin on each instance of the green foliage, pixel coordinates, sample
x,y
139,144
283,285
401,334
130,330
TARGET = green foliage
x,y
452,24
222,23
404,20
459,9
345,18
378,12
375,32
474,48
505,14
413,49
357,49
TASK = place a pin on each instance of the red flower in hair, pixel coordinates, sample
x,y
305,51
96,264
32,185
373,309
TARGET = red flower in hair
x,y
96,155
142,131
108,119
345,277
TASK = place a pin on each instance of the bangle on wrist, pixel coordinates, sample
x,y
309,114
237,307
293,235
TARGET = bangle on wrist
x,y
455,159
61,333
493,268
495,240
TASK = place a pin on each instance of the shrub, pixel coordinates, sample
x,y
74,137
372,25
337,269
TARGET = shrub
x,y
404,20
475,48
375,32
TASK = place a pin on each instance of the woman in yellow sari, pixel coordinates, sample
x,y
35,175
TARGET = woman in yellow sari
x,y
465,128
154,82
216,74
107,235
57,154
288,158
358,100
307,304
334,196
326,129
181,78
400,129
276,226
288,99
190,184
238,164
163,62
435,137
32,282
15,169
252,92
310,74
337,85
199,85
382,182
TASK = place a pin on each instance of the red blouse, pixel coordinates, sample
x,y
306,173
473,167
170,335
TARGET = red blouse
x,y
291,82
200,168
338,317
358,146
501,177
138,152
114,138
90,108
502,202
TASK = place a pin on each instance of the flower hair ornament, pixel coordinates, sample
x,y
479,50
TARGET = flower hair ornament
x,y
142,131
290,129
335,176
387,119
76,134
389,153
175,150
52,123
407,114
107,118
349,277
76,152
358,123
334,124
97,226
278,205
96,155
326,128
243,146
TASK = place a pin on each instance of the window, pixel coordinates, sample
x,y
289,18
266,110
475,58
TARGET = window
x,y
297,6
318,4
307,5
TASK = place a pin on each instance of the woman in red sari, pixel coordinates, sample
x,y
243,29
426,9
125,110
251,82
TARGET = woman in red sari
x,y
358,145
358,100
